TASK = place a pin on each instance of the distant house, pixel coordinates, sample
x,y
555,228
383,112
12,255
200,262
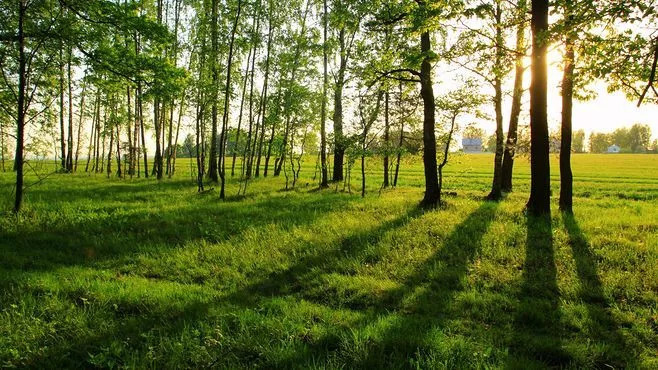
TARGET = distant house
x,y
614,148
472,145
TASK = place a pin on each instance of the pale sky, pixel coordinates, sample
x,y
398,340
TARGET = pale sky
x,y
605,113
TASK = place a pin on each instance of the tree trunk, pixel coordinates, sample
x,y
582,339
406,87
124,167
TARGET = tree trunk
x,y
432,192
540,187
496,192
119,172
181,109
271,140
94,132
69,153
237,134
212,164
248,149
400,142
62,132
512,131
2,147
288,95
386,138
20,122
109,153
227,97
80,122
140,115
566,176
323,130
263,107
339,146
446,152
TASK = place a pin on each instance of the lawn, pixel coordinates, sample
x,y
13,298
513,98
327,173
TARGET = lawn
x,y
101,272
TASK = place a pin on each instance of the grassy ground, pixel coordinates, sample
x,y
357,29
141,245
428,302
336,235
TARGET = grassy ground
x,y
134,273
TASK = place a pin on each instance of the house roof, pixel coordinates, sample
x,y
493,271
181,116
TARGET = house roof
x,y
475,141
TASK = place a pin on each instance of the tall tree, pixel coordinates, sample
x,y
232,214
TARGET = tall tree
x,y
213,170
227,92
325,83
540,172
517,94
566,176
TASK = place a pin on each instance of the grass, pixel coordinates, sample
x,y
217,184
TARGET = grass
x,y
135,273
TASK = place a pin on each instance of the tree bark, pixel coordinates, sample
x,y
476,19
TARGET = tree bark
x,y
248,149
496,192
432,192
212,164
400,142
80,122
62,132
244,92
323,110
517,94
566,176
386,138
93,133
288,95
540,183
227,97
339,146
263,107
157,121
20,122
69,153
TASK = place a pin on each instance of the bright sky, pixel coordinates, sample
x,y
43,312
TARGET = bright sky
x,y
605,113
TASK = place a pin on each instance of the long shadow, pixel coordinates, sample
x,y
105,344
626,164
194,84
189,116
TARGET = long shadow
x,y
602,326
420,304
536,339
305,271
425,299
68,243
105,235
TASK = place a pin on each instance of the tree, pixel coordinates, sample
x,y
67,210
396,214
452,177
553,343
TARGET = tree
x,y
519,69
345,17
421,18
540,172
639,137
485,48
578,143
465,100
472,131
227,92
566,176
367,117
28,29
325,83
599,143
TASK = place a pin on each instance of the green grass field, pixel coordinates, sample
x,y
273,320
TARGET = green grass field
x,y
103,272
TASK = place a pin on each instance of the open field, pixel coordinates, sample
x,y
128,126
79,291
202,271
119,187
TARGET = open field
x,y
101,272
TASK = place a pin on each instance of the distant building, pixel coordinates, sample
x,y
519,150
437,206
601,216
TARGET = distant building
x,y
472,145
614,148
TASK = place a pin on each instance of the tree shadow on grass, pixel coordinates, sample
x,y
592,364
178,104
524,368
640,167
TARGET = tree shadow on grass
x,y
536,339
602,326
308,269
423,301
89,236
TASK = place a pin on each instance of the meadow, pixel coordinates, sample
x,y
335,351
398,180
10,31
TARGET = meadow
x,y
136,273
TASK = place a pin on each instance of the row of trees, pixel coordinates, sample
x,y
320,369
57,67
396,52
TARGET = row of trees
x,y
256,81
636,139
